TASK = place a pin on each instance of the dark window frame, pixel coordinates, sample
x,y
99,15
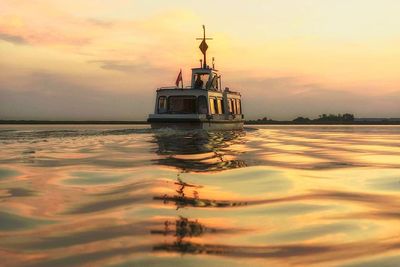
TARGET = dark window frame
x,y
205,102
194,108
166,104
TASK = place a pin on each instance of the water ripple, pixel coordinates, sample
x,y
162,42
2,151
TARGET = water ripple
x,y
110,195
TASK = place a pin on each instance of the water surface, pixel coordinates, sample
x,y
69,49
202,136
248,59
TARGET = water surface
x,y
266,196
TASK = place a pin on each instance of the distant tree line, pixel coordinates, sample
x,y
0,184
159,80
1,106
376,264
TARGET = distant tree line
x,y
328,118
322,119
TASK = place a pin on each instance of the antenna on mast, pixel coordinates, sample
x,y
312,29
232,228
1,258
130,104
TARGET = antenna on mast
x,y
203,46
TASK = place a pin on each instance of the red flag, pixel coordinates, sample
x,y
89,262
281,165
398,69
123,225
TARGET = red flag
x,y
179,78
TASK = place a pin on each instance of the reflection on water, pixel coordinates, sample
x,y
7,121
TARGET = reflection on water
x,y
199,151
181,199
276,196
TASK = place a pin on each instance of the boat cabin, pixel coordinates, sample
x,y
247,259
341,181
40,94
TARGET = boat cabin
x,y
203,97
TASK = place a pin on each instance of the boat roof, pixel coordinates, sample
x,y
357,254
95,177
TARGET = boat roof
x,y
203,70
176,89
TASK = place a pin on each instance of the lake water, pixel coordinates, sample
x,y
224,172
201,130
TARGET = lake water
x,y
266,196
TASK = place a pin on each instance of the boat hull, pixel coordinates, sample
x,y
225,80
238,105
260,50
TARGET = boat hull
x,y
206,125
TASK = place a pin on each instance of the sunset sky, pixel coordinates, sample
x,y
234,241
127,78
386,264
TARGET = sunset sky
x,y
102,60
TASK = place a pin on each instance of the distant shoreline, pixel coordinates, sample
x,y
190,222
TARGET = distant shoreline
x,y
68,122
324,123
273,122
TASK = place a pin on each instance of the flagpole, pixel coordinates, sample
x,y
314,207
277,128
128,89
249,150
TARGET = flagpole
x,y
182,78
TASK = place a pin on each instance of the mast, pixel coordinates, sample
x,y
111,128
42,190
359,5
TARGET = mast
x,y
203,47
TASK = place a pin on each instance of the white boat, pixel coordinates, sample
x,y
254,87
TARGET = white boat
x,y
202,105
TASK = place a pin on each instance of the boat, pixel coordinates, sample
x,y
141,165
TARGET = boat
x,y
202,105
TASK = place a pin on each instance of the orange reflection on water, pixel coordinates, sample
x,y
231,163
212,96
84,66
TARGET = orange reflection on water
x,y
271,196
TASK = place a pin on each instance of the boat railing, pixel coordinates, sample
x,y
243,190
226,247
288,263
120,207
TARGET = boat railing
x,y
190,87
168,87
180,88
232,92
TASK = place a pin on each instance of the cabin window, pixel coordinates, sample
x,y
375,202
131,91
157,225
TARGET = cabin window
x,y
233,101
216,106
182,104
213,83
202,104
236,104
220,106
200,81
162,105
212,106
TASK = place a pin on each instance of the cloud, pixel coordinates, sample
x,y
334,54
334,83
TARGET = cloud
x,y
51,96
18,40
45,23
41,36
100,22
125,66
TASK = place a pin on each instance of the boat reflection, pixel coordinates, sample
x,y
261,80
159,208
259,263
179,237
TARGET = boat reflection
x,y
199,150
181,199
184,228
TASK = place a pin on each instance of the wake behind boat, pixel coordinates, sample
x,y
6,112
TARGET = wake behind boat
x,y
202,105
